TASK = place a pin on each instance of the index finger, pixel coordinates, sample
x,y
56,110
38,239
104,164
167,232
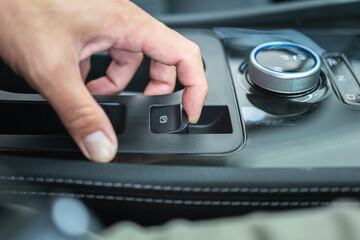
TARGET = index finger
x,y
169,47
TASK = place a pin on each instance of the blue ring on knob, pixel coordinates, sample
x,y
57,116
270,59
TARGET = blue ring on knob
x,y
266,45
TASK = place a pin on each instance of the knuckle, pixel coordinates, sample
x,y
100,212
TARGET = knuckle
x,y
118,88
139,58
206,87
194,49
81,119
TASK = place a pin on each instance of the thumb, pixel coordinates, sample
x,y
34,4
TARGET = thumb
x,y
82,116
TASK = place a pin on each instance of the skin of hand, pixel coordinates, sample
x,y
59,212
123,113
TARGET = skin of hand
x,y
50,42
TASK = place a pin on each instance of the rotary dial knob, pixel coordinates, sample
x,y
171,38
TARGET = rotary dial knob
x,y
284,67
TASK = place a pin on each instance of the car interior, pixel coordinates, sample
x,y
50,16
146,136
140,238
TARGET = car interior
x,y
279,129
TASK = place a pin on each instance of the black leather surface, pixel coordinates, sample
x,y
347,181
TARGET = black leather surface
x,y
166,192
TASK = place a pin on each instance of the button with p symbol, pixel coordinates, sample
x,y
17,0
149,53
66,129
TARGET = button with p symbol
x,y
168,119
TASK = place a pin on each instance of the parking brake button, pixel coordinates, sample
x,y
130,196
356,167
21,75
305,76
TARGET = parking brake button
x,y
168,119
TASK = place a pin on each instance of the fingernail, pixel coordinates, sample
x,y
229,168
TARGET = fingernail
x,y
98,147
193,120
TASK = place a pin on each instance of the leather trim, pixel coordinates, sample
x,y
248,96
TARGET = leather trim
x,y
313,189
184,202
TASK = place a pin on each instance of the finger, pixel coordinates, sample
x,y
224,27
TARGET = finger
x,y
118,74
163,79
85,68
84,119
170,48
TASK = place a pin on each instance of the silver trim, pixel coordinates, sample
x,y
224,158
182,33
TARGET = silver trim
x,y
287,83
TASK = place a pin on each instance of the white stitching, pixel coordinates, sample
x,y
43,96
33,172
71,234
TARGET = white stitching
x,y
184,202
183,188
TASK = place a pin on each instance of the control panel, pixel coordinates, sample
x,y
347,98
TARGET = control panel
x,y
343,77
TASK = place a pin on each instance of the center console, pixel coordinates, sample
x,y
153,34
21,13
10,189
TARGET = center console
x,y
280,129
273,92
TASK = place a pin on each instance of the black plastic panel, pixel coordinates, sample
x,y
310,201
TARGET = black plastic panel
x,y
213,120
38,118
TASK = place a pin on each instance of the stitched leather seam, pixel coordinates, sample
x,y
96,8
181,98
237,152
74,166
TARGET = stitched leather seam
x,y
314,189
185,202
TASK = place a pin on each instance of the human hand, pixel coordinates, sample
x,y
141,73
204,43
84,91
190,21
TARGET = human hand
x,y
50,42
